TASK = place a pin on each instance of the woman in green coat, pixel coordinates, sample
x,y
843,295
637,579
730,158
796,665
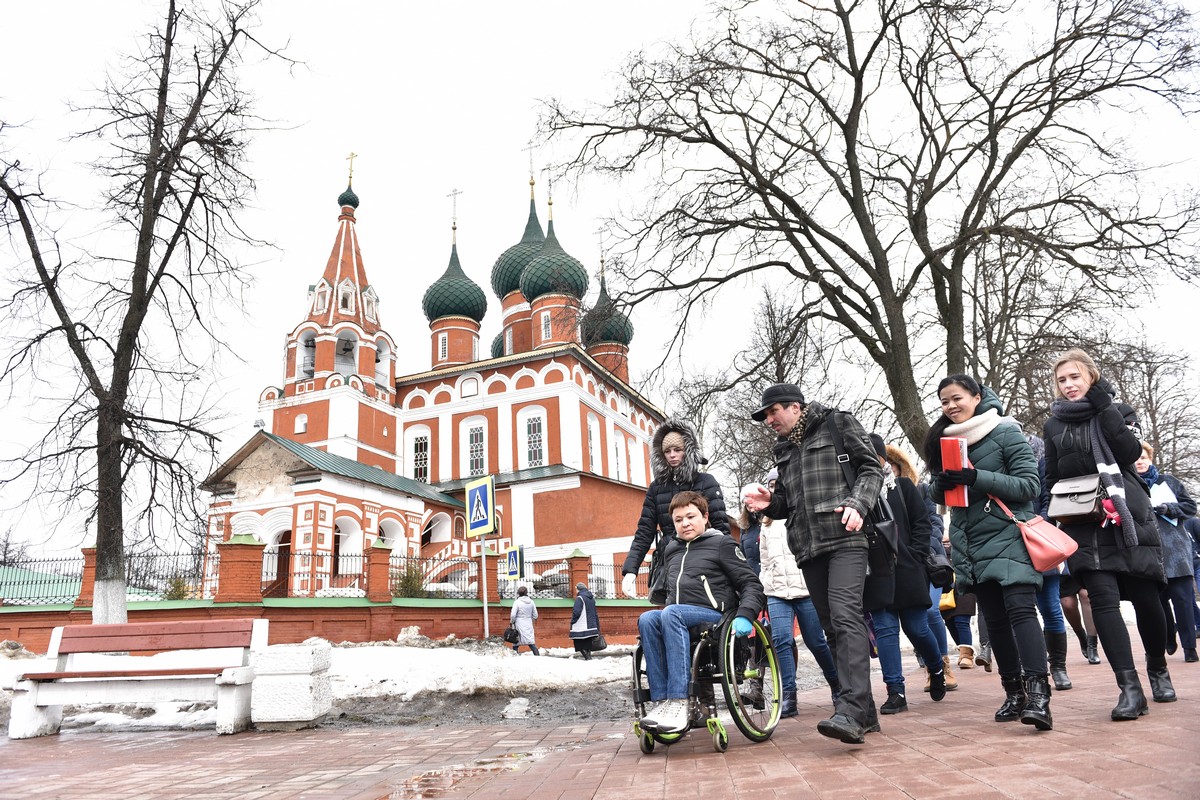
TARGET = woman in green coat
x,y
990,559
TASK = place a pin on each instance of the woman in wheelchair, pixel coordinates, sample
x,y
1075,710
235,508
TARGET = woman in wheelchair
x,y
707,577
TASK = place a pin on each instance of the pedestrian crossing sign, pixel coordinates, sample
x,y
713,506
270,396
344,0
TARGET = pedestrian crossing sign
x,y
481,506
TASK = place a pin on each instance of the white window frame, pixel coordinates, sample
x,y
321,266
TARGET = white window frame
x,y
547,329
525,417
321,303
465,449
346,292
301,424
508,341
411,434
595,464
419,463
474,348
619,457
443,346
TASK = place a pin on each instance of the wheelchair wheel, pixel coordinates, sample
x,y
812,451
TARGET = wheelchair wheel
x,y
641,699
750,680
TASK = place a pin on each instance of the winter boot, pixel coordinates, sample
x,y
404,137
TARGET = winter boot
x,y
983,657
1014,698
966,656
787,708
1056,652
895,703
947,667
1132,702
1190,655
705,699
1092,654
1037,704
937,683
752,694
1160,680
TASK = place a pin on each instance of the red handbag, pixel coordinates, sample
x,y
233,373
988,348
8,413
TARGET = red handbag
x,y
1048,546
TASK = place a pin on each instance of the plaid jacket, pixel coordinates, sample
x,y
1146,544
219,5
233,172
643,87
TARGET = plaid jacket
x,y
811,485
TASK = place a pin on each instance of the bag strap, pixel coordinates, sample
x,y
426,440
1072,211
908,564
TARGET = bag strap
x,y
839,448
1004,508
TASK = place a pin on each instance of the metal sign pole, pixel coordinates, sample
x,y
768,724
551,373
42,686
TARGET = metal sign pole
x,y
483,582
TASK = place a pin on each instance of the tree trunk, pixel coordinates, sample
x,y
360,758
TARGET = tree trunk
x,y
109,605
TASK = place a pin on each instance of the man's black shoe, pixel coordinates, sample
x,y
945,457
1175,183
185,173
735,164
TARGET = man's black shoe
x,y
842,728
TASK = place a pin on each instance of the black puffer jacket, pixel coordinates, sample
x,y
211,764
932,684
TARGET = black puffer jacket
x,y
667,483
711,571
1069,455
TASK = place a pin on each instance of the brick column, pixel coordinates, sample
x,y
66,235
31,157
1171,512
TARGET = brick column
x,y
240,577
379,585
578,566
87,586
492,565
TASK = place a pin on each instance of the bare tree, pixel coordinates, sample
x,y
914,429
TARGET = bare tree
x,y
130,318
12,552
868,150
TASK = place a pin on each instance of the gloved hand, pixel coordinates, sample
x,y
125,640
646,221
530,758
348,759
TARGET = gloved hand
x,y
957,477
1099,398
741,626
1169,510
629,585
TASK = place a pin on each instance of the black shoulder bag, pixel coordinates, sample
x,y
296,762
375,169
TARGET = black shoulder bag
x,y
879,525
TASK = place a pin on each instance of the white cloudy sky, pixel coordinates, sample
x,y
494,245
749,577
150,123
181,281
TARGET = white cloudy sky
x,y
433,97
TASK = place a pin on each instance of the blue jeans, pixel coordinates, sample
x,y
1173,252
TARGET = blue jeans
x,y
960,629
784,613
667,647
887,624
1049,604
936,623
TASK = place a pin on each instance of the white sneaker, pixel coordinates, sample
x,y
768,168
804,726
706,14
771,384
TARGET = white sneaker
x,y
671,717
652,708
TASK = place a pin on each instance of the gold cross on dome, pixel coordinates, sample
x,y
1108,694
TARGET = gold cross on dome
x,y
351,158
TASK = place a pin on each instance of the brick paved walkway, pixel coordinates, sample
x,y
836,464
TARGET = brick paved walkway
x,y
950,749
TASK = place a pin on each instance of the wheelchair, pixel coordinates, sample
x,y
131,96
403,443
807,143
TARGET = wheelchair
x,y
738,664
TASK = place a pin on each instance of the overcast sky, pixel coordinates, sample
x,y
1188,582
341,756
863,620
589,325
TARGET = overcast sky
x,y
432,97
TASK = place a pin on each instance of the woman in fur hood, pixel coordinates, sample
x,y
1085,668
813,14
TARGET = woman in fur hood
x,y
675,461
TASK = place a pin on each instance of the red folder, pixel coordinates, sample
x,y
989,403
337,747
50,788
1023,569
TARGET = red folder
x,y
954,456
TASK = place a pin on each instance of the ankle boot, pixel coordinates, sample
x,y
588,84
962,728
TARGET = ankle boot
x,y
1014,698
937,684
1092,654
1160,681
1037,705
966,656
1056,653
983,657
1132,702
787,707
951,681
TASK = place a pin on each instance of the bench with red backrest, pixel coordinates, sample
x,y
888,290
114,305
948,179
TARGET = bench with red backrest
x,y
159,662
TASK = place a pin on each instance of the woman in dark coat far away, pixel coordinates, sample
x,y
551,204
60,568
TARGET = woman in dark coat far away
x,y
1088,434
585,622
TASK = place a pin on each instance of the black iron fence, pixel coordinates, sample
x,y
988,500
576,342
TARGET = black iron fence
x,y
40,582
171,576
286,574
411,576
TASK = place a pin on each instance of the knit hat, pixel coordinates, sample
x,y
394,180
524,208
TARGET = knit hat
x,y
773,475
672,440
880,447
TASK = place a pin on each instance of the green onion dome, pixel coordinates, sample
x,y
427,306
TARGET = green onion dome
x,y
604,322
348,198
553,272
506,272
454,294
498,345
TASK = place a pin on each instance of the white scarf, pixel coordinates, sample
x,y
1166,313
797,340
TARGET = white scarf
x,y
977,428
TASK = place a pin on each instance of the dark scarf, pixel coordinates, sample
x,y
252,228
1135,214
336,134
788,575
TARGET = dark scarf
x,y
796,434
1151,475
1106,464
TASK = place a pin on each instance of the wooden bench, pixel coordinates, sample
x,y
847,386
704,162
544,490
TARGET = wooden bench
x,y
161,662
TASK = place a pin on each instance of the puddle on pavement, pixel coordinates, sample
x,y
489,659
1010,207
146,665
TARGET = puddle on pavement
x,y
436,782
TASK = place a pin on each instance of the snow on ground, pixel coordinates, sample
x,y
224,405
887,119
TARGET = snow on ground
x,y
404,670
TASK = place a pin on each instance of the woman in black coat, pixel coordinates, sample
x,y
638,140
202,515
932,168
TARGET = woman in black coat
x,y
907,600
1088,434
675,460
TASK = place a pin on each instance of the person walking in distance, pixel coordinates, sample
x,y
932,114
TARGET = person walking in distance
x,y
524,612
824,519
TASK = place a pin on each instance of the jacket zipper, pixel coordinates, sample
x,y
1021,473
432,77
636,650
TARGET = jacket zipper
x,y
708,591
687,546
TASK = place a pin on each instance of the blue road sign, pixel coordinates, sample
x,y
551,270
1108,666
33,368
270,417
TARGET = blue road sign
x,y
481,506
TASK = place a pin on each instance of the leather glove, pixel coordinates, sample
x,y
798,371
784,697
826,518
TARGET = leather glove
x,y
741,626
1099,398
957,477
629,585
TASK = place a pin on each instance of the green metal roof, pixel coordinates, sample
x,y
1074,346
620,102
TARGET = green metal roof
x,y
454,294
348,198
531,474
605,322
553,271
506,272
349,468
498,345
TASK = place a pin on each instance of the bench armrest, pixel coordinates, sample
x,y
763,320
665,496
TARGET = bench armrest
x,y
236,676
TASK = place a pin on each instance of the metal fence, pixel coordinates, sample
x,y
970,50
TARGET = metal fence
x,y
40,582
171,576
605,580
410,576
286,574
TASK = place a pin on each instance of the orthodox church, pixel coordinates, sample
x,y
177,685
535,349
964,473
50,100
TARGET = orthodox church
x,y
357,447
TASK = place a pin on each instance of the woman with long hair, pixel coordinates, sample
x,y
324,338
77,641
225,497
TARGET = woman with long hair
x,y
1088,434
988,553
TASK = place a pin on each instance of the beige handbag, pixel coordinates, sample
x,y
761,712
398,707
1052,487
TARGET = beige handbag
x,y
1079,499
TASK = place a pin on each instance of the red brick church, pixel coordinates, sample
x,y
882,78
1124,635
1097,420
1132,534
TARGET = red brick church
x,y
362,445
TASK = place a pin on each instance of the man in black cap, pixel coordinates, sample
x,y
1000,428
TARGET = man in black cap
x,y
824,524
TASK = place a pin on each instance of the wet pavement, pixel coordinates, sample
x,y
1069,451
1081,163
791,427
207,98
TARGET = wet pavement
x,y
950,749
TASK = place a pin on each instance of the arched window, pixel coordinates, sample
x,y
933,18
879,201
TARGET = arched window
x,y
443,346
346,297
619,457
417,440
474,348
472,434
371,304
307,354
593,443
545,326
508,341
301,424
531,433
345,355
321,301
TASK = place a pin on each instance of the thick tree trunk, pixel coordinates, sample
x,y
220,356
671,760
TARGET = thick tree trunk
x,y
109,605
